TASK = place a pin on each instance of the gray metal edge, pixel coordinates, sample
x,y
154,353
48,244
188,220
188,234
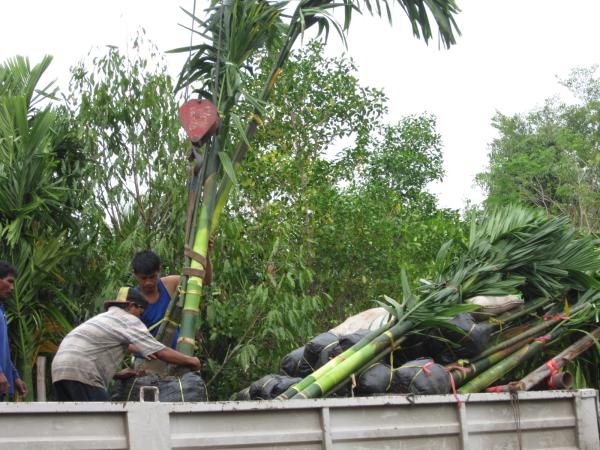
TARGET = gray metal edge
x,y
271,405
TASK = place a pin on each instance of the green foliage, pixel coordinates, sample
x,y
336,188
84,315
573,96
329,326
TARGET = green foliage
x,y
518,250
406,158
135,158
235,33
549,158
36,219
352,187
258,308
345,224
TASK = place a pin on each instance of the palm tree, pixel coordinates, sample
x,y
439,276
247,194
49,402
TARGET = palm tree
x,y
34,218
234,35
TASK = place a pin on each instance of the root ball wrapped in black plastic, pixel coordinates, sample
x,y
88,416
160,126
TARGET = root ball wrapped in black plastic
x,y
377,379
454,345
349,340
270,386
291,364
188,388
420,376
324,342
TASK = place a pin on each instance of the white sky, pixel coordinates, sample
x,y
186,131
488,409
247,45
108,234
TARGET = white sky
x,y
507,59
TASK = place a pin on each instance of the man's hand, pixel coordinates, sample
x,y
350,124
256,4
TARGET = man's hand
x,y
194,363
3,384
174,357
131,348
21,387
128,373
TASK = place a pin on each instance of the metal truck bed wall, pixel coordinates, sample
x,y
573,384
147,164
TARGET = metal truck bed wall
x,y
534,420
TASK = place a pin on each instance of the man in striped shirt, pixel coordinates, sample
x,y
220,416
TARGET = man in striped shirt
x,y
89,355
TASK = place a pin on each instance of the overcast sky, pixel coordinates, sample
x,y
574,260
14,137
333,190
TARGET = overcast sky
x,y
506,60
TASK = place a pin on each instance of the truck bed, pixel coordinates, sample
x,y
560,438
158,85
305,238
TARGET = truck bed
x,y
531,420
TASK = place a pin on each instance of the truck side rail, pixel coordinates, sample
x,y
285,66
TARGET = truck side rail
x,y
529,420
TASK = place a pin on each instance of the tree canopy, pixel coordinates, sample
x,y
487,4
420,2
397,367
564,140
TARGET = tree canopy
x,y
549,157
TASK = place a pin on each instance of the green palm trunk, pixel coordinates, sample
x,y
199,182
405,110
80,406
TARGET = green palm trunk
x,y
385,352
533,331
361,358
26,350
461,376
559,361
333,363
168,327
503,367
193,293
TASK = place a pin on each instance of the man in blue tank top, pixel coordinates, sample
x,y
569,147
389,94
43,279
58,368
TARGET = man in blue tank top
x,y
158,290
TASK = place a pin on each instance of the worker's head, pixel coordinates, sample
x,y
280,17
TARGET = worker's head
x,y
8,273
146,269
130,300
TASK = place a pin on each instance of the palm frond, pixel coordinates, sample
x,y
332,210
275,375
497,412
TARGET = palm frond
x,y
518,249
18,78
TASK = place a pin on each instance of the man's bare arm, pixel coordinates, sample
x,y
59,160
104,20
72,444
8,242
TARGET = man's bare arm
x,y
174,357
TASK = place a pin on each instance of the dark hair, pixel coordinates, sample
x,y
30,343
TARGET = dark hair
x,y
145,262
136,297
7,269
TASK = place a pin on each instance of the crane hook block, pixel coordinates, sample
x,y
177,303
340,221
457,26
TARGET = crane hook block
x,y
200,119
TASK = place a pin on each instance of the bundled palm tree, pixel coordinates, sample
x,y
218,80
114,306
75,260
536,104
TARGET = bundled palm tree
x,y
560,327
413,314
552,367
512,250
234,34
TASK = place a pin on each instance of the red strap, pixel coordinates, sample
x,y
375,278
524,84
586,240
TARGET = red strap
x,y
458,402
495,389
553,371
426,366
453,386
449,369
555,317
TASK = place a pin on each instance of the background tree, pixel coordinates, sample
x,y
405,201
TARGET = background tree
x,y
38,219
353,187
127,119
549,158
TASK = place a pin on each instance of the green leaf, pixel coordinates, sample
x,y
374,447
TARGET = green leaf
x,y
228,166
